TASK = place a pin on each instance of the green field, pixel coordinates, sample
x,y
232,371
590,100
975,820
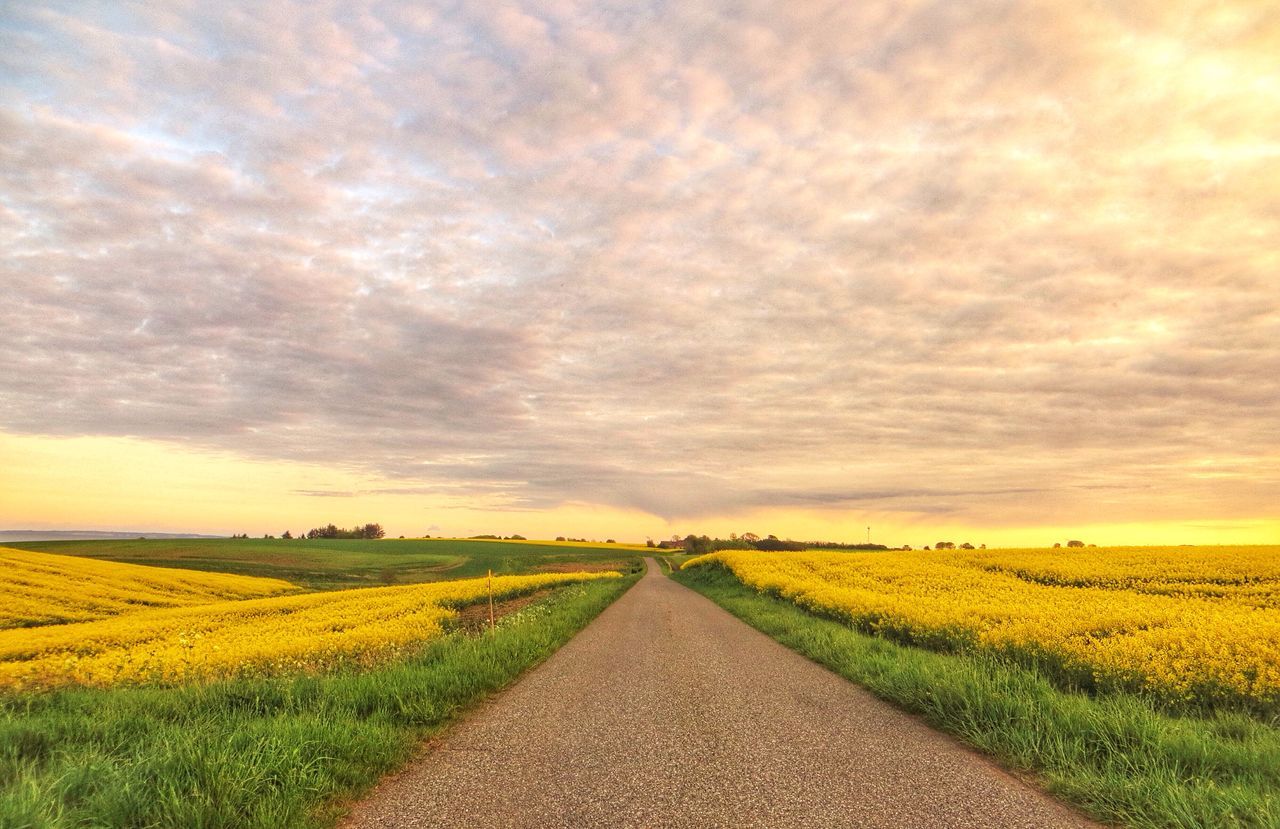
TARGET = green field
x,y
1119,756
329,564
287,751
258,753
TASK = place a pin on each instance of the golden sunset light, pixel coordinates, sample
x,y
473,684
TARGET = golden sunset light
x,y
631,413
1004,272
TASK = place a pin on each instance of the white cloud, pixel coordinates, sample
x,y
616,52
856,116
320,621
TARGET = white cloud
x,y
928,257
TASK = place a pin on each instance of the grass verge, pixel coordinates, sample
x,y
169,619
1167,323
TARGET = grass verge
x,y
1115,756
264,753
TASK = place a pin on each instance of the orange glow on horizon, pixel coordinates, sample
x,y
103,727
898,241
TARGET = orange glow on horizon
x,y
127,484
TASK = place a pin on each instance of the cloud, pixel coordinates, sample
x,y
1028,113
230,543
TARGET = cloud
x,y
929,257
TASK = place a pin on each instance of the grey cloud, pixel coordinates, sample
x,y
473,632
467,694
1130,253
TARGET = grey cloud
x,y
925,257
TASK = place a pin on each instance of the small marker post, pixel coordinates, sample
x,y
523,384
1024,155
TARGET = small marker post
x,y
491,625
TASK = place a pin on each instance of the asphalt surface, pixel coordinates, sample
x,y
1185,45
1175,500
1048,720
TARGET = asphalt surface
x,y
666,711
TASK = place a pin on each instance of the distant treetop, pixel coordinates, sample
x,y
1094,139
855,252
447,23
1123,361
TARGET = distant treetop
x,y
332,531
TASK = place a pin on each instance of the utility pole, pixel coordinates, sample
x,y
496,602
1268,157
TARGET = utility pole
x,y
868,535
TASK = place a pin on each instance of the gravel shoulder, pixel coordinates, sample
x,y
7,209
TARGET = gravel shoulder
x,y
666,711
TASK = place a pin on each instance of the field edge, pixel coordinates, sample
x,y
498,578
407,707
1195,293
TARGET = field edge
x,y
1116,759
287,752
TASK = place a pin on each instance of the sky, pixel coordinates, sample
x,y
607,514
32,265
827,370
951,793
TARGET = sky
x,y
1005,272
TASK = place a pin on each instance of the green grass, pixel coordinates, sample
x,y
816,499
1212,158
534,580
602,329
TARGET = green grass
x,y
1116,756
328,564
672,561
258,753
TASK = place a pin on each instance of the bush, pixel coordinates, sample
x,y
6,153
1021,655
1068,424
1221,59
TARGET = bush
x,y
332,531
772,544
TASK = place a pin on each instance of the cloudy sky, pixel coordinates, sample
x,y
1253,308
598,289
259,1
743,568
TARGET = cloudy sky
x,y
623,268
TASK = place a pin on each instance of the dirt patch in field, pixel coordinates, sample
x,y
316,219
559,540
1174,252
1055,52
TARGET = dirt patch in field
x,y
582,567
474,618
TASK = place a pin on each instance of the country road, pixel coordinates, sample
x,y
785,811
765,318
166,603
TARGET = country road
x,y
667,711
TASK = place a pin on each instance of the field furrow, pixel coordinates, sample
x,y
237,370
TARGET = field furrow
x,y
255,637
46,589
1187,626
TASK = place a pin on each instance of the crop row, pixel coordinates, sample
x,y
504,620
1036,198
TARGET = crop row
x,y
46,589
254,637
1199,627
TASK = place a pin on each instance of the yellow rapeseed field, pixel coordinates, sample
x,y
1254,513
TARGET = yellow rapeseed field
x,y
252,637
46,589
1185,624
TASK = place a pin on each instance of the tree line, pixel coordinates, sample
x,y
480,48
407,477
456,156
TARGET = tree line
x,y
701,544
332,531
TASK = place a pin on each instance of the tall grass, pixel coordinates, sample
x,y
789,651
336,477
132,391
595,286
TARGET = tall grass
x,y
257,753
1116,756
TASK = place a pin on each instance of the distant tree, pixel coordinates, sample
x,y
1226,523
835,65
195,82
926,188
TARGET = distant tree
x,y
559,538
906,546
944,545
515,537
982,546
1075,543
966,546
286,534
334,531
775,544
697,544
1057,545
610,541
843,545
926,546
750,538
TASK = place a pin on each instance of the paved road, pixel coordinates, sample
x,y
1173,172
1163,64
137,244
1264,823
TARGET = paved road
x,y
668,712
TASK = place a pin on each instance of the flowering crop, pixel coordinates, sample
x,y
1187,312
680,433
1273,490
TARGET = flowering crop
x,y
1184,624
46,589
253,637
